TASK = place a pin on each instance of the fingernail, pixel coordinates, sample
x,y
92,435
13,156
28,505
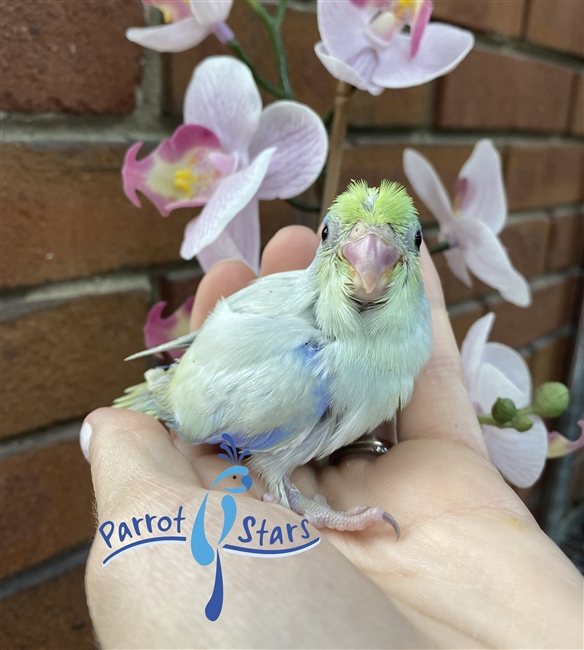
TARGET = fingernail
x,y
85,438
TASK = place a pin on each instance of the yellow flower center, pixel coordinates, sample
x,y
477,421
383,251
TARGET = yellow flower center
x,y
186,181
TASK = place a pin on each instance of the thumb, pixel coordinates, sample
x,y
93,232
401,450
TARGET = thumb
x,y
130,453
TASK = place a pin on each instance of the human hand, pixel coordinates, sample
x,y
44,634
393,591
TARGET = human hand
x,y
472,568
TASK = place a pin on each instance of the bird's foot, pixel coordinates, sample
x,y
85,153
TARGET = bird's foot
x,y
270,498
321,515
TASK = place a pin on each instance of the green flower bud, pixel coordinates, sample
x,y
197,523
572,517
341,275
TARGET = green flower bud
x,y
504,410
522,423
551,399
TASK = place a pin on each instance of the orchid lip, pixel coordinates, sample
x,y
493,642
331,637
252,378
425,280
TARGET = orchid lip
x,y
372,260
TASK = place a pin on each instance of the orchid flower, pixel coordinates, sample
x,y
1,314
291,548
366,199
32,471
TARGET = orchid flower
x,y
472,222
189,23
363,43
159,330
228,156
559,445
495,370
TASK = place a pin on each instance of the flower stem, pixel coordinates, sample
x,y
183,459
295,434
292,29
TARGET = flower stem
x,y
337,140
273,25
486,418
239,52
439,248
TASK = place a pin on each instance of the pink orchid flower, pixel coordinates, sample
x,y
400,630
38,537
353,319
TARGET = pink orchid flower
x,y
159,330
495,370
472,222
363,43
189,23
228,156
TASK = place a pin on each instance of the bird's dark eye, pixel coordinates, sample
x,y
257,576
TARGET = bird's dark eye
x,y
235,477
324,233
418,239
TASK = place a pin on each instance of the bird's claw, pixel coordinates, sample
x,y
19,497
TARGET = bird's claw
x,y
321,515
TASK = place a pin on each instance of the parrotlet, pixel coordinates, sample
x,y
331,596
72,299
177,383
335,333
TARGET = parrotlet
x,y
301,363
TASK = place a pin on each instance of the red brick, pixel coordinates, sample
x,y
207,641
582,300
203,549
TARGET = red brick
x,y
494,91
526,241
46,504
539,176
175,290
401,107
64,214
558,24
566,242
553,306
69,56
552,362
312,84
63,362
374,162
52,616
461,321
484,15
578,109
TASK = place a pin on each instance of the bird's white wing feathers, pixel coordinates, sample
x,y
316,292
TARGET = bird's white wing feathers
x,y
249,375
267,296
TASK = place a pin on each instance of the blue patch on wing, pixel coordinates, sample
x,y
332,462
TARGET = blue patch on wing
x,y
259,442
308,352
264,441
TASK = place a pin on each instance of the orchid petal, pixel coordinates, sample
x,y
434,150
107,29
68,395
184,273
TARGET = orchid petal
x,y
210,12
187,152
472,349
159,330
223,97
457,264
484,197
343,29
511,364
239,241
344,72
493,383
441,50
172,10
301,143
428,186
520,457
174,37
558,445
488,261
231,197
421,20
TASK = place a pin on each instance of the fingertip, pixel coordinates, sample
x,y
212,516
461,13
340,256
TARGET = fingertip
x,y
125,447
222,280
431,278
291,248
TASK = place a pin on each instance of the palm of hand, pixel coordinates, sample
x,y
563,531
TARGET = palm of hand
x,y
470,553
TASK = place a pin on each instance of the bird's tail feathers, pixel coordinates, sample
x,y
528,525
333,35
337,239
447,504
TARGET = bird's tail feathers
x,y
150,396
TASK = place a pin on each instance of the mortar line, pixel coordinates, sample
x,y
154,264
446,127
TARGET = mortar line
x,y
23,442
46,570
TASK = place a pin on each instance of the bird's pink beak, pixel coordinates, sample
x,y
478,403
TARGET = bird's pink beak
x,y
372,261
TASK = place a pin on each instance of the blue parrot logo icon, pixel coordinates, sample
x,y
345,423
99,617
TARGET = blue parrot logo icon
x,y
201,549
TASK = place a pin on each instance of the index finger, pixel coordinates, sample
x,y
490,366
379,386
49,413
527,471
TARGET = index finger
x,y
440,406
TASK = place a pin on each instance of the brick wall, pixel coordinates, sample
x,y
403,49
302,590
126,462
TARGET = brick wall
x,y
81,265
